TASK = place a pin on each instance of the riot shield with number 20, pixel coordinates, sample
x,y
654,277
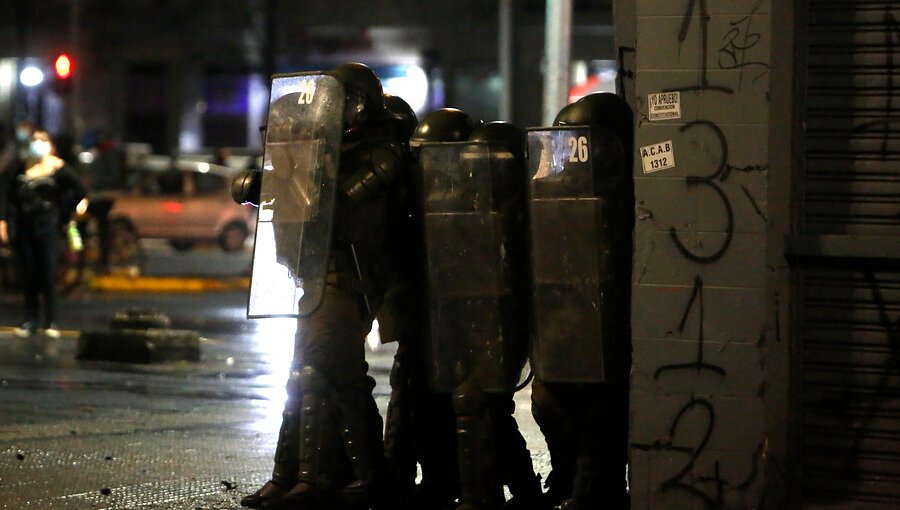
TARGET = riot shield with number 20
x,y
299,183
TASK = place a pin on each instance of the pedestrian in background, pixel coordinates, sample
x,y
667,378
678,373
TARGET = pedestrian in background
x,y
105,177
37,199
13,150
221,156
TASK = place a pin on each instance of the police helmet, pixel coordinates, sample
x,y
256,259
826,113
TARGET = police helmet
x,y
363,89
506,140
509,136
443,125
400,110
602,109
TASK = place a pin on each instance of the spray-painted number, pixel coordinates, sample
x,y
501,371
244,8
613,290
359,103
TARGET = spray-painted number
x,y
307,91
578,149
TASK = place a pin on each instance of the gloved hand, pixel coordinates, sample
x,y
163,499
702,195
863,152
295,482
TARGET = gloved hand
x,y
245,188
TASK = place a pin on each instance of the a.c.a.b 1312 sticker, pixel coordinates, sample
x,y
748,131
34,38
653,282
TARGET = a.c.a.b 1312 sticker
x,y
658,156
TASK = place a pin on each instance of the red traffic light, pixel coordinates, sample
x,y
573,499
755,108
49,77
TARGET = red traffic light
x,y
63,66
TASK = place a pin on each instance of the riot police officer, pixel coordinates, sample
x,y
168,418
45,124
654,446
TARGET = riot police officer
x,y
581,202
420,423
472,206
513,460
344,152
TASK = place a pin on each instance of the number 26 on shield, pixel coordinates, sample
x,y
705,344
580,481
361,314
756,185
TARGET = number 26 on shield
x,y
307,91
578,149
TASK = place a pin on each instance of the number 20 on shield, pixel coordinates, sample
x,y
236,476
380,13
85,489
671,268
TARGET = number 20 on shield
x,y
307,92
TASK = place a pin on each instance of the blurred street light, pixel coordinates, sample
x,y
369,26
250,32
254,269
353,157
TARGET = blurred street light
x,y
31,76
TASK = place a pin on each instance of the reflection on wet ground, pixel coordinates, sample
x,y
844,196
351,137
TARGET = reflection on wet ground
x,y
104,435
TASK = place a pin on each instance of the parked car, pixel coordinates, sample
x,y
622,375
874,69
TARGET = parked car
x,y
182,201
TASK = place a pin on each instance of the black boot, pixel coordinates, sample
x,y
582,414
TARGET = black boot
x,y
302,496
479,481
268,492
527,496
284,474
513,457
434,429
306,493
399,449
551,407
361,432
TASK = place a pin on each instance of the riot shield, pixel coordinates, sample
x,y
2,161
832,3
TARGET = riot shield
x,y
297,196
466,238
569,260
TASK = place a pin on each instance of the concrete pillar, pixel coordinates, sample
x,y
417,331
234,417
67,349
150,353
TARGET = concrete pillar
x,y
697,75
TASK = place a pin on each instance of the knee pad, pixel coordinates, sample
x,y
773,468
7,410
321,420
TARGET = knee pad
x,y
311,380
468,400
293,385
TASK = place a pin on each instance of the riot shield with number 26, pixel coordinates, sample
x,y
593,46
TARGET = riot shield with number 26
x,y
577,335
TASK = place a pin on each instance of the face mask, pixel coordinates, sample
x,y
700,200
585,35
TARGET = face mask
x,y
22,135
39,149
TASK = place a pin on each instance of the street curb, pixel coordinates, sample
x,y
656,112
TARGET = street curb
x,y
165,284
9,333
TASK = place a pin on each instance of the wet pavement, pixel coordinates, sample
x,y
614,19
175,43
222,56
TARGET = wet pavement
x,y
178,435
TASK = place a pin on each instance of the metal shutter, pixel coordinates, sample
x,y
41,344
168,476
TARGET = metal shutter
x,y
847,256
850,387
852,174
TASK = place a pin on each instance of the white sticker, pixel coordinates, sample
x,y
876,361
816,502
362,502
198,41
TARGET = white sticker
x,y
664,106
658,156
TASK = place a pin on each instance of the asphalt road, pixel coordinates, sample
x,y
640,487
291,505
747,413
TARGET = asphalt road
x,y
177,435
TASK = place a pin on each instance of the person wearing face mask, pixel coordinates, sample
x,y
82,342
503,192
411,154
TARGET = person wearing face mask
x,y
37,198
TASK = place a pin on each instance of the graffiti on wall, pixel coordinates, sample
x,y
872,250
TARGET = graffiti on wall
x,y
739,51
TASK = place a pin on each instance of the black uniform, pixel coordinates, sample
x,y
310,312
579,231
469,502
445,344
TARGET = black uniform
x,y
581,208
471,195
420,422
329,453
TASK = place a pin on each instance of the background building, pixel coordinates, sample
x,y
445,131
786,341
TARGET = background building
x,y
189,75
